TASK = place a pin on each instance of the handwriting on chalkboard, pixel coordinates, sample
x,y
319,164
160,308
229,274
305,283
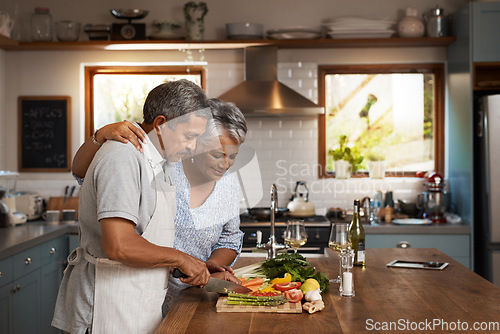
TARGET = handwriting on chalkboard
x,y
44,133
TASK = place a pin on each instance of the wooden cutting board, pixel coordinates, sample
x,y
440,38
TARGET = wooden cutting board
x,y
288,307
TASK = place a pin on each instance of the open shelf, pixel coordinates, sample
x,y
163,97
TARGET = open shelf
x,y
394,42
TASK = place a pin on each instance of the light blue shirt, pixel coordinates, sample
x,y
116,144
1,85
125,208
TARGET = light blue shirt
x,y
214,224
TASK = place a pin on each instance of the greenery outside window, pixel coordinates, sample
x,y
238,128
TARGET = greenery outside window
x,y
116,93
393,113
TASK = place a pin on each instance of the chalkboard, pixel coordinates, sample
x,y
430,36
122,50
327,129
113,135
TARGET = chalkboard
x,y
44,133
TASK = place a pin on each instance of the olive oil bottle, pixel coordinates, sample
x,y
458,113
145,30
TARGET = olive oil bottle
x,y
357,234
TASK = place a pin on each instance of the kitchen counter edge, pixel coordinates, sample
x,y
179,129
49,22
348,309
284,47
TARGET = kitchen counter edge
x,y
16,239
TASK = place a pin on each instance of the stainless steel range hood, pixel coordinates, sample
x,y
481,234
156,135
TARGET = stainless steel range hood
x,y
261,94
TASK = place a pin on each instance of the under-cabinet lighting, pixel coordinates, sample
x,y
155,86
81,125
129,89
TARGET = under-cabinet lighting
x,y
176,46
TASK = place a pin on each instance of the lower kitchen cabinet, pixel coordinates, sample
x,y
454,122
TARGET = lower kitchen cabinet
x,y
27,301
456,246
25,304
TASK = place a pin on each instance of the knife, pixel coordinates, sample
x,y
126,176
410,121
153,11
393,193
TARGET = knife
x,y
72,191
65,193
217,285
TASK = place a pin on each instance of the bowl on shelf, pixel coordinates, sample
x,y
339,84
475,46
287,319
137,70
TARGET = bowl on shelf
x,y
67,31
129,14
244,30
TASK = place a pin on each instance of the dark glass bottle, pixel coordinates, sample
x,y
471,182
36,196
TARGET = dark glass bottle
x,y
357,234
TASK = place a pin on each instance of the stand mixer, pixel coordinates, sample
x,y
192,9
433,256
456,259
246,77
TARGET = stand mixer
x,y
8,214
435,201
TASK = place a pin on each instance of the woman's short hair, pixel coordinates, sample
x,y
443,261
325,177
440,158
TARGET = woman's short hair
x,y
226,119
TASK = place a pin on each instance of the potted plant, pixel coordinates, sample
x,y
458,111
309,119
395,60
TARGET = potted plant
x,y
347,160
376,164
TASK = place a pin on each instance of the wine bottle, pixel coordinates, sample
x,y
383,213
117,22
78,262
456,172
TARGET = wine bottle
x,y
357,234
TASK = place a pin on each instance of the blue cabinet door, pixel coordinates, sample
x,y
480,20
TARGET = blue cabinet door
x,y
5,314
485,29
74,241
26,304
51,276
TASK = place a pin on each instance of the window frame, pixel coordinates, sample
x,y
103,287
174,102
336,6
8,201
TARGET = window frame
x,y
91,71
439,108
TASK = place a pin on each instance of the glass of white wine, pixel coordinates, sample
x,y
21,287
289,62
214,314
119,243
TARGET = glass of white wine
x,y
295,234
339,239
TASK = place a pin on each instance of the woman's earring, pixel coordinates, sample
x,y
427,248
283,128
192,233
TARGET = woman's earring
x,y
192,160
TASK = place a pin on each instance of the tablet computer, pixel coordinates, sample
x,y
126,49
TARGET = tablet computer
x,y
417,265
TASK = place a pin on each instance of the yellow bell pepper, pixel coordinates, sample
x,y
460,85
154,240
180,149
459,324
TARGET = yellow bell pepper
x,y
285,279
270,288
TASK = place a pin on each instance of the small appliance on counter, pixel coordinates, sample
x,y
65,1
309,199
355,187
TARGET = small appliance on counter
x,y
30,203
8,213
436,200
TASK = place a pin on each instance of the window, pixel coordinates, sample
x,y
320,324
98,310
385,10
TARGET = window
x,y
393,113
116,93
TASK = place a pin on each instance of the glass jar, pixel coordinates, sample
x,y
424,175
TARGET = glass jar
x,y
41,25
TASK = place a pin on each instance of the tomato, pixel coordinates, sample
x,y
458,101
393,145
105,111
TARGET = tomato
x,y
287,286
294,295
265,294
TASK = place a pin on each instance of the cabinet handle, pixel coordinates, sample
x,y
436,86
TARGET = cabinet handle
x,y
52,250
403,244
15,289
0,274
28,260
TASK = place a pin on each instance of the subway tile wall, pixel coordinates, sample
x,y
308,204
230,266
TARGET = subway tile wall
x,y
287,147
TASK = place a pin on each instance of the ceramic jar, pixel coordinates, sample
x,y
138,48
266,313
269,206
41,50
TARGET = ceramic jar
x,y
411,25
6,24
194,14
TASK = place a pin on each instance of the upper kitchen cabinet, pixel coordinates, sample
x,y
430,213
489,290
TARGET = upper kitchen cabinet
x,y
485,27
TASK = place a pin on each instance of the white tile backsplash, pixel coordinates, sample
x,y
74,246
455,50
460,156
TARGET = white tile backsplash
x,y
287,149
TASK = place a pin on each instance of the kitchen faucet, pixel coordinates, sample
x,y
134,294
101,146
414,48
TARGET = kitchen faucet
x,y
271,246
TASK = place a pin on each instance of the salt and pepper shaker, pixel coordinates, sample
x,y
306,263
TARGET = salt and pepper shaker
x,y
346,287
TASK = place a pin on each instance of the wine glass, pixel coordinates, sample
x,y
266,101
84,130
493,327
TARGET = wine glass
x,y
339,239
295,234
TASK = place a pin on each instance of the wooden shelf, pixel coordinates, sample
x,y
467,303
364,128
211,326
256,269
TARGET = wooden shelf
x,y
395,42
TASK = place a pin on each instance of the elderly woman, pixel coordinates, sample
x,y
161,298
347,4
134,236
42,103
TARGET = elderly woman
x,y
207,197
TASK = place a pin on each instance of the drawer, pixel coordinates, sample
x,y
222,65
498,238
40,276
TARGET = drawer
x,y
6,273
54,250
451,245
26,261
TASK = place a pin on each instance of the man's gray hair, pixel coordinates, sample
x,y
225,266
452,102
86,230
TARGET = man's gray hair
x,y
173,99
226,119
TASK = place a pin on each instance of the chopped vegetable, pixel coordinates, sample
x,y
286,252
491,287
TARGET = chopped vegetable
x,y
254,281
269,288
297,266
287,286
250,269
294,295
285,279
265,294
242,299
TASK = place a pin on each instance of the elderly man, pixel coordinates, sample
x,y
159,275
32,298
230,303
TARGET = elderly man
x,y
116,280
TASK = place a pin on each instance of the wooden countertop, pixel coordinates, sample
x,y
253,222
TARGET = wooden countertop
x,y
415,300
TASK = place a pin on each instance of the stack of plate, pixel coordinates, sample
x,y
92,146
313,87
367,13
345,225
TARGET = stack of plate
x,y
358,27
294,33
